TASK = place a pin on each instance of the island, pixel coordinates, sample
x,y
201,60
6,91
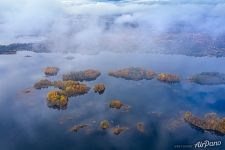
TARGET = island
x,y
118,130
116,104
86,75
133,73
104,124
99,88
210,122
168,78
57,99
51,71
44,83
208,78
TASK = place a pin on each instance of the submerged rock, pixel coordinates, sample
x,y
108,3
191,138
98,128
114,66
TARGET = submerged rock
x,y
208,78
76,128
104,124
115,104
57,99
210,122
118,130
69,57
63,119
42,84
27,56
140,127
27,90
51,71
86,75
169,78
133,73
126,108
100,88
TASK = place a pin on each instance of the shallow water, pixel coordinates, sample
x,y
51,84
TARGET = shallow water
x,y
28,123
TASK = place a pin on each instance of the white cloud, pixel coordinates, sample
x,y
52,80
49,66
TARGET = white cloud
x,y
88,25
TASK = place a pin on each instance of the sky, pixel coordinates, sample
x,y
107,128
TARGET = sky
x,y
91,25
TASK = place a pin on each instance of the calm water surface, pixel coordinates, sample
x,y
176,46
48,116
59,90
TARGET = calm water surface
x,y
28,123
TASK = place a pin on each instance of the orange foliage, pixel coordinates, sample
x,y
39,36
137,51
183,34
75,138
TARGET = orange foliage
x,y
210,122
42,84
51,71
170,78
91,73
115,104
133,73
71,88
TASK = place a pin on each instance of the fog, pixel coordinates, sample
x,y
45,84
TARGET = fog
x,y
93,26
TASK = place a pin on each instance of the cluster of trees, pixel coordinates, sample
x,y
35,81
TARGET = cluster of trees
x,y
210,122
133,73
86,75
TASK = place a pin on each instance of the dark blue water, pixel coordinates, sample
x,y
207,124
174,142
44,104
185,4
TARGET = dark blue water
x,y
28,123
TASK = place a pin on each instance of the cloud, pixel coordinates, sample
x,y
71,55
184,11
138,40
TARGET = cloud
x,y
92,26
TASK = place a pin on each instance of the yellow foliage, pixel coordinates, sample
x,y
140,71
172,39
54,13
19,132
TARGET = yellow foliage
x,y
104,124
100,88
57,99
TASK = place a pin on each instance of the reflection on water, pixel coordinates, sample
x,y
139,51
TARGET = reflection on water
x,y
155,107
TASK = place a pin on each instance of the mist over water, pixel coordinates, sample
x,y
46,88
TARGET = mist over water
x,y
90,26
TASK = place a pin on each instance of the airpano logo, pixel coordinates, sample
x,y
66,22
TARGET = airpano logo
x,y
200,145
207,143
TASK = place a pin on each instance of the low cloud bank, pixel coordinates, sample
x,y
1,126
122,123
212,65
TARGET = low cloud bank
x,y
93,26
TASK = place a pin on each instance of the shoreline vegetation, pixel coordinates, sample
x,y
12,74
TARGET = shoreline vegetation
x,y
14,47
184,43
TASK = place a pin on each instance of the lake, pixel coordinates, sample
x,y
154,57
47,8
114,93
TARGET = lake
x,y
28,123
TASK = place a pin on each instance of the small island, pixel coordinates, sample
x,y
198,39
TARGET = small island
x,y
208,78
57,99
44,83
116,104
99,88
104,124
168,78
86,75
76,128
51,71
140,127
211,122
133,73
71,88
118,130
